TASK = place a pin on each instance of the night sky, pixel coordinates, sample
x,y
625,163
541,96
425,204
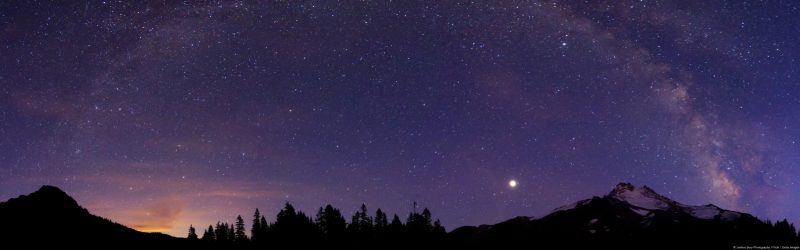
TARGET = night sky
x,y
160,115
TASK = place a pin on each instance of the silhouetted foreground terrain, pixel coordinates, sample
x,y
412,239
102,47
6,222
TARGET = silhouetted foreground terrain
x,y
635,218
51,217
628,217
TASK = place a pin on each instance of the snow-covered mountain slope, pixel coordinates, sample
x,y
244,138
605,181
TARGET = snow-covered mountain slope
x,y
631,217
643,197
644,201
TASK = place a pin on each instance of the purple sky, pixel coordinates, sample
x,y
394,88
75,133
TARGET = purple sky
x,y
160,115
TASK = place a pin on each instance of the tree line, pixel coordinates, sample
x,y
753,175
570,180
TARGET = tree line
x,y
328,227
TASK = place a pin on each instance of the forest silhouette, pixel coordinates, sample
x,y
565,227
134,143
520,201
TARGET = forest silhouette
x,y
328,227
49,218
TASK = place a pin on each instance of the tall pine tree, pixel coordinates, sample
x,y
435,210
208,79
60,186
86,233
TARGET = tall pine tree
x,y
255,231
380,220
239,233
331,222
192,233
208,235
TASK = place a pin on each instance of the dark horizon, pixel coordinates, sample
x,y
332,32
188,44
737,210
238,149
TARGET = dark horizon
x,y
628,217
165,114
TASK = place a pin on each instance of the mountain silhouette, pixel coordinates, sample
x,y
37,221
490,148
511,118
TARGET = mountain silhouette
x,y
633,217
51,217
628,217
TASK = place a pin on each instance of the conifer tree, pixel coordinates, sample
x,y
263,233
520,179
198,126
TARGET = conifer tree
x,y
192,233
239,233
255,230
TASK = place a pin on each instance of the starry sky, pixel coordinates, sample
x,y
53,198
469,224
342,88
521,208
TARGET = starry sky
x,y
163,114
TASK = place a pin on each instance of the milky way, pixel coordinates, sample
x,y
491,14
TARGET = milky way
x,y
160,115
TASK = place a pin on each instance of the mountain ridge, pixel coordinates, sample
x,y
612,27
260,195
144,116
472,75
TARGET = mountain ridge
x,y
630,217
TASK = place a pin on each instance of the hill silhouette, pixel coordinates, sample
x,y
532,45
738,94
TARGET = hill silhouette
x,y
49,210
628,217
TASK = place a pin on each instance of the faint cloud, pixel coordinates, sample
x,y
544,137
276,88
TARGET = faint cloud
x,y
241,194
44,106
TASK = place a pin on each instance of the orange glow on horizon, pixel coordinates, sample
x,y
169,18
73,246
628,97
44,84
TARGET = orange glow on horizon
x,y
152,228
